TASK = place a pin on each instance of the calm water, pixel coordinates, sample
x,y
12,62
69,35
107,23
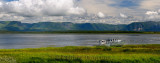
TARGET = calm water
x,y
9,41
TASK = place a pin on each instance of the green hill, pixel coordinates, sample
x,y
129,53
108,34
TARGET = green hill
x,y
68,26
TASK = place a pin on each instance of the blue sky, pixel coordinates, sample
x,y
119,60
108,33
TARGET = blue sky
x,y
127,3
97,11
8,0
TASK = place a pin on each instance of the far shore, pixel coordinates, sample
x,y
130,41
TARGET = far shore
x,y
76,32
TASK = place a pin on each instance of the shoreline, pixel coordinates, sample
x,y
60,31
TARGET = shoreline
x,y
118,46
77,32
54,46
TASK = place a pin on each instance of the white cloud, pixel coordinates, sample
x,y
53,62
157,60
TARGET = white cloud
x,y
150,4
94,6
151,13
1,4
123,15
159,11
100,15
41,8
9,17
82,10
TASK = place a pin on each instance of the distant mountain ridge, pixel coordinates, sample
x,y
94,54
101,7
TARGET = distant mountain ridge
x,y
68,26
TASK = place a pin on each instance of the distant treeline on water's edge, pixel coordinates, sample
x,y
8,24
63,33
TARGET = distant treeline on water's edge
x,y
78,32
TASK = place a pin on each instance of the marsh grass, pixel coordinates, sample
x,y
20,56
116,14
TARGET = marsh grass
x,y
81,54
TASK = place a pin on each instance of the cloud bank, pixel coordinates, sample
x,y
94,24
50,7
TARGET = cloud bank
x,y
94,11
29,8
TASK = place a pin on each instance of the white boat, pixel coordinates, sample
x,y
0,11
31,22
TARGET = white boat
x,y
102,42
109,42
113,40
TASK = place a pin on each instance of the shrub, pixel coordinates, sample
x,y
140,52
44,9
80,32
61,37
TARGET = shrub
x,y
126,50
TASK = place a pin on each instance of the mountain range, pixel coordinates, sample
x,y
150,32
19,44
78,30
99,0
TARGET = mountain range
x,y
69,26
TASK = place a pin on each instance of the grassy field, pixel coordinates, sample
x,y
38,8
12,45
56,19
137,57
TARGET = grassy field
x,y
79,54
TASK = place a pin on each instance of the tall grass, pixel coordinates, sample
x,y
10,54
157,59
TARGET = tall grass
x,y
80,54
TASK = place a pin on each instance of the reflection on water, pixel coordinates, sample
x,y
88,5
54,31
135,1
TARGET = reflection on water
x,y
9,41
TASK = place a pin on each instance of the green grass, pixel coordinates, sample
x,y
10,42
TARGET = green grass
x,y
80,54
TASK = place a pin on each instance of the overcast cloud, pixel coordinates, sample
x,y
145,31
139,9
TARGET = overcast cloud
x,y
95,11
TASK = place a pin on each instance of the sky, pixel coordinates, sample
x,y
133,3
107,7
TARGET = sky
x,y
80,11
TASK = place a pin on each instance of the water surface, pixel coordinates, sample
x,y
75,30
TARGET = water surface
x,y
10,41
